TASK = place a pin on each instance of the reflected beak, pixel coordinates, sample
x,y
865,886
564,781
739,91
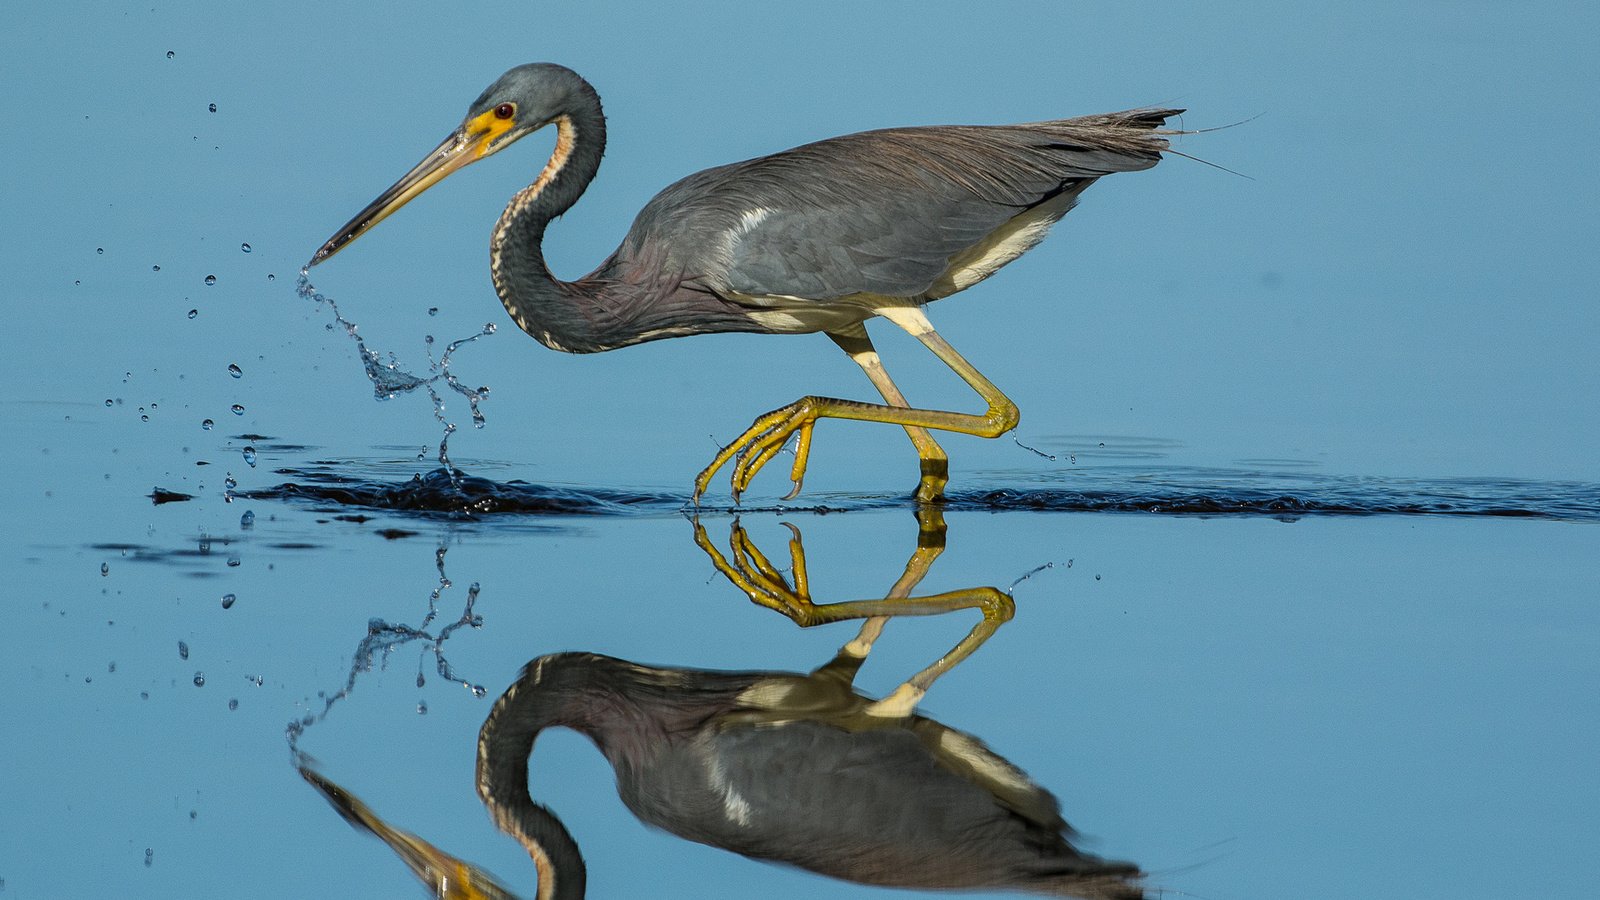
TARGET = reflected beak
x,y
448,877
476,138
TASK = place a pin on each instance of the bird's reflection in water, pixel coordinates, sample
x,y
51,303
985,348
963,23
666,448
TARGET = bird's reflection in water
x,y
781,766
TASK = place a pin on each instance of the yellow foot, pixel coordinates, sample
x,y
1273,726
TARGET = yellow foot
x,y
761,442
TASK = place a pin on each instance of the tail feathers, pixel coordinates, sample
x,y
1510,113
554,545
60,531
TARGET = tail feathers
x,y
1115,142
1146,119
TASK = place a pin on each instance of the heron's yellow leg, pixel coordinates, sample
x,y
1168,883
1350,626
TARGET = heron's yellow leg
x,y
761,440
935,464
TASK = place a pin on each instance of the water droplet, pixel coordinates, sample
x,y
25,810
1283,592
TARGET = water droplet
x,y
227,601
433,310
427,339
211,279
183,650
193,814
256,680
479,690
245,248
193,313
108,401
271,277
237,409
233,703
422,707
489,328
248,520
199,679
205,424
250,456
105,569
150,855
421,680
213,107
1097,576
234,370
170,55
233,562
143,418
100,250
155,268
144,695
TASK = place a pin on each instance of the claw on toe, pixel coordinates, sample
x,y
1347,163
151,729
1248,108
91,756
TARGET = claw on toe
x,y
762,441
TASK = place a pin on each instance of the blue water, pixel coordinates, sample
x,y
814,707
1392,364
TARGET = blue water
x,y
1299,524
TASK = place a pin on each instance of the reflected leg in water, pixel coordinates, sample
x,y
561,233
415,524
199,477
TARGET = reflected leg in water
x,y
753,573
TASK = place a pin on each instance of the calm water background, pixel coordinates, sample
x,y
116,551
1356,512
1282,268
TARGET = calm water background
x,y
1247,706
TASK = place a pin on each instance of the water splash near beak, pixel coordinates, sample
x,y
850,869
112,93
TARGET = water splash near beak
x,y
389,380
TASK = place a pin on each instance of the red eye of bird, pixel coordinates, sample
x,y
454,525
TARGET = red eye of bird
x,y
504,111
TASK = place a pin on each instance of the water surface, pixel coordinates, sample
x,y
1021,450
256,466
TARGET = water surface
x,y
1303,553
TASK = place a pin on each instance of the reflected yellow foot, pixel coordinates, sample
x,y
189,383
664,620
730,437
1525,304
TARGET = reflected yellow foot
x,y
755,575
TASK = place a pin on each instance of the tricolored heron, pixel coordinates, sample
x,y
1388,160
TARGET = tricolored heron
x,y
791,768
817,238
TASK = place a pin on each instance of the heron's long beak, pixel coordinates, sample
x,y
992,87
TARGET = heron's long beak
x,y
476,138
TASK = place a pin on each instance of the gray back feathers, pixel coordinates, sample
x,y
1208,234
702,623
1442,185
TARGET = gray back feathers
x,y
880,212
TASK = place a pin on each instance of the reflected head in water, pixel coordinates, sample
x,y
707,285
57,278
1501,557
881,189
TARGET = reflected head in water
x,y
799,769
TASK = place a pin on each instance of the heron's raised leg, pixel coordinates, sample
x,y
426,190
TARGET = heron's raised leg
x,y
935,464
763,439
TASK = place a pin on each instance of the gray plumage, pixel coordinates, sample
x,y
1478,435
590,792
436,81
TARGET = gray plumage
x,y
879,213
789,768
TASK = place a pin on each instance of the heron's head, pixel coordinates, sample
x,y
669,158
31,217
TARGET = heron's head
x,y
520,102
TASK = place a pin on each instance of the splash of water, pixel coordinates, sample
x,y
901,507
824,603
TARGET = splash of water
x,y
389,380
383,638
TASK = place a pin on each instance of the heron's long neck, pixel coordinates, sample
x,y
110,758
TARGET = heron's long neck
x,y
540,304
503,748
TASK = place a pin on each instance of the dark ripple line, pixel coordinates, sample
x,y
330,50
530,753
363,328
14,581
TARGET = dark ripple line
x,y
437,492
1203,492
1253,503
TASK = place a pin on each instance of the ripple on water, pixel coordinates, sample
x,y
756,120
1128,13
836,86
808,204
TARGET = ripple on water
x,y
1124,489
